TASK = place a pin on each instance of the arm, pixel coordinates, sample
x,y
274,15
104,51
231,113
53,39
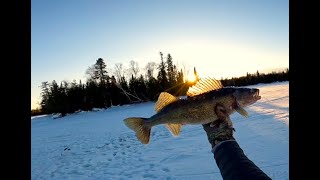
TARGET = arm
x,y
234,164
230,158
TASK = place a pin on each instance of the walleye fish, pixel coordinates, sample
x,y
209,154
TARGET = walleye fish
x,y
198,108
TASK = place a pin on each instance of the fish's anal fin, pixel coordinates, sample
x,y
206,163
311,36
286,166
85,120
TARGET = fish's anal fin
x,y
174,128
242,111
163,100
204,85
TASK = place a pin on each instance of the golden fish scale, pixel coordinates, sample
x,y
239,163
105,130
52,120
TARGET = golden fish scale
x,y
195,112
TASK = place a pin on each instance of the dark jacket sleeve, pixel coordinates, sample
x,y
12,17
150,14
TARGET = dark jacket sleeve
x,y
234,164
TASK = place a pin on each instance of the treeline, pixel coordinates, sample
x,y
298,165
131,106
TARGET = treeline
x,y
251,79
103,89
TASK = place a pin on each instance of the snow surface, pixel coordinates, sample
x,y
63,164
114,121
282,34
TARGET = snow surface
x,y
97,145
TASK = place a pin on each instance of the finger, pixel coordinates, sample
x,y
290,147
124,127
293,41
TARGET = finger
x,y
221,111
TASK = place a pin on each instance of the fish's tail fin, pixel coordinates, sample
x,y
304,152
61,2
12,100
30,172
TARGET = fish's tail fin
x,y
137,124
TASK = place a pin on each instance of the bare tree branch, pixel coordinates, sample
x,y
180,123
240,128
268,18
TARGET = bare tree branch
x,y
118,71
150,69
127,93
134,68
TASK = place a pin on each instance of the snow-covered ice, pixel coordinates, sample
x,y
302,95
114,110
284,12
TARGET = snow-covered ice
x,y
97,145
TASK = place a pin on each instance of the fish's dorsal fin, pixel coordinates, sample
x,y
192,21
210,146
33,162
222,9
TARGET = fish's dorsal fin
x,y
163,100
174,128
204,85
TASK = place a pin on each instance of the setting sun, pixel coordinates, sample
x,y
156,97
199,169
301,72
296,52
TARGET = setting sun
x,y
191,77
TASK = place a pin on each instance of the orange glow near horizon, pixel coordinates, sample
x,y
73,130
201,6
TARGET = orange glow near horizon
x,y
191,78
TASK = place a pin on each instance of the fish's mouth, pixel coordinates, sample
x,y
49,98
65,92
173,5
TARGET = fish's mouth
x,y
253,97
247,97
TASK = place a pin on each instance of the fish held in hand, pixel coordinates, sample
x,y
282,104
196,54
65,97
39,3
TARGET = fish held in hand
x,y
198,108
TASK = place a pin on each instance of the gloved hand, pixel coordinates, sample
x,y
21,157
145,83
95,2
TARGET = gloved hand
x,y
221,129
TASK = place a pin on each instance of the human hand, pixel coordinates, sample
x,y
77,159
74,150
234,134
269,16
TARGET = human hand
x,y
221,129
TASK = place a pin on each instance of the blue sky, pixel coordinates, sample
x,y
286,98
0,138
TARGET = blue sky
x,y
220,38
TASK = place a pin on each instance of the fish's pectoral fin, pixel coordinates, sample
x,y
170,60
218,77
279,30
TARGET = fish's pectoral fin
x,y
204,85
242,111
163,100
174,128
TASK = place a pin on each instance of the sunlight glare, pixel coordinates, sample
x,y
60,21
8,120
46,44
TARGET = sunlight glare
x,y
191,77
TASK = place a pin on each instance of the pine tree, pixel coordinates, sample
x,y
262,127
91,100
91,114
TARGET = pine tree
x,y
90,93
182,87
103,99
133,85
53,102
170,72
125,98
162,75
180,77
174,74
44,96
152,88
115,92
63,104
100,72
142,88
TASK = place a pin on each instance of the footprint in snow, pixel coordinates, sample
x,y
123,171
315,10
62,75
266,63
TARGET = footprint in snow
x,y
86,165
165,169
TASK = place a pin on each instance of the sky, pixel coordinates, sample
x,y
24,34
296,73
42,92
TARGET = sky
x,y
219,38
